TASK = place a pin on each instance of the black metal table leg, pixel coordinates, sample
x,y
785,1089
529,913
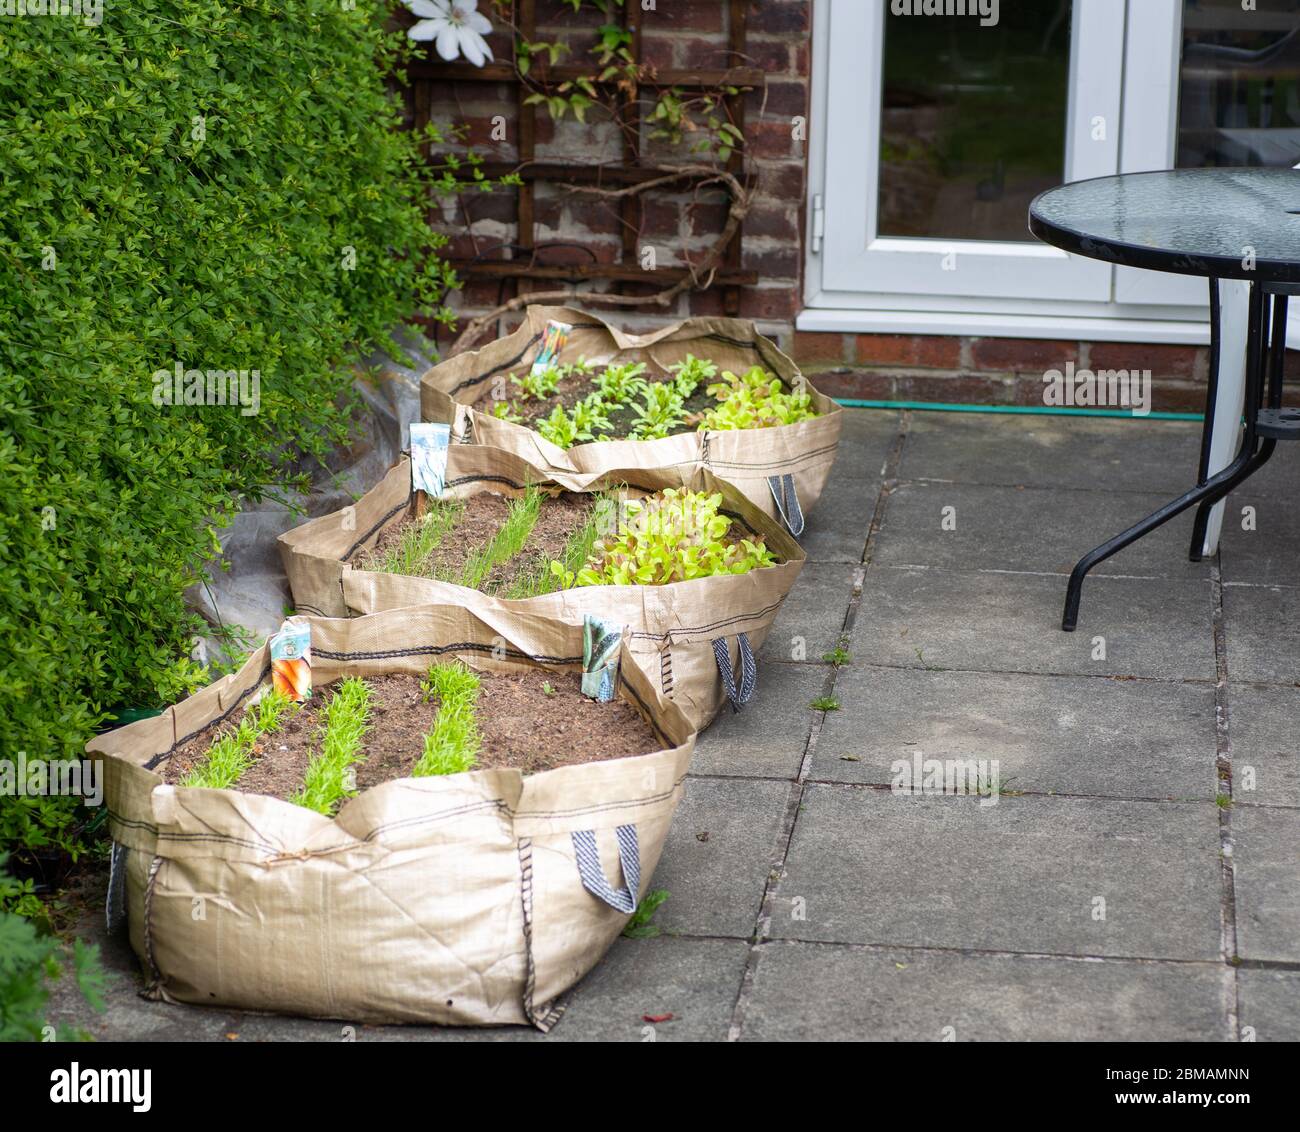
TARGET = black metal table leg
x,y
1252,456
1202,521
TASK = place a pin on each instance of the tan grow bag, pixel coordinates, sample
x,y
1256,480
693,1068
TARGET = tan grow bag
x,y
475,898
762,462
697,639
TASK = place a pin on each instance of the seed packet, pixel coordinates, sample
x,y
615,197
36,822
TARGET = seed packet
x,y
291,659
600,642
554,337
429,443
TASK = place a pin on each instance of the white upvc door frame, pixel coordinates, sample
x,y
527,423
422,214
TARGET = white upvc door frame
x,y
857,258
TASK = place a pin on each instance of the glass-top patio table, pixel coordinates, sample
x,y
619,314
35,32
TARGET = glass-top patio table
x,y
1224,224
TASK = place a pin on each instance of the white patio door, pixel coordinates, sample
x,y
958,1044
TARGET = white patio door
x,y
939,132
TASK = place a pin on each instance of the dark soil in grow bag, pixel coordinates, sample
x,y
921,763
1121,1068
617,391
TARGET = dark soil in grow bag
x,y
522,726
481,517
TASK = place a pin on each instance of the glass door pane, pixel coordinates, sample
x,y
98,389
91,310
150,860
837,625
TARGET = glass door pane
x,y
973,121
1239,84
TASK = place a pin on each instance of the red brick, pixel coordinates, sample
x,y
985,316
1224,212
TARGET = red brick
x,y
772,263
1031,354
772,55
780,180
776,303
779,98
684,15
657,52
778,17
772,138
779,222
933,351
705,54
1164,361
812,346
955,388
860,385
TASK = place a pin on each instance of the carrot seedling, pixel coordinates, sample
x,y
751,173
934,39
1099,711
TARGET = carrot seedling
x,y
327,781
410,554
232,754
508,541
452,745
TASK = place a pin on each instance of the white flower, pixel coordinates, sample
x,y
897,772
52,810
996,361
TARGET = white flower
x,y
457,26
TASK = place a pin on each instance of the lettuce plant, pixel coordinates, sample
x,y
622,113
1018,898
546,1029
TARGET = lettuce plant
x,y
508,411
690,372
673,536
619,384
590,417
754,400
540,385
558,428
660,411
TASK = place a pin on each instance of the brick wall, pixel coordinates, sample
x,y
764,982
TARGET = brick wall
x,y
679,226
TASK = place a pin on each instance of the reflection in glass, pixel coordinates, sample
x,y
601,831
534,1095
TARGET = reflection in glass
x,y
973,120
1239,84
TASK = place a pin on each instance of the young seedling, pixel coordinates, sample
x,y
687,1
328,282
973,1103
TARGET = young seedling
x,y
418,540
577,549
548,688
232,754
540,385
754,400
825,703
508,541
344,718
452,745
639,926
619,384
690,372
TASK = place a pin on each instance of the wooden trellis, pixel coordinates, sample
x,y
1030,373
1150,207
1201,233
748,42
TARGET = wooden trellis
x,y
728,276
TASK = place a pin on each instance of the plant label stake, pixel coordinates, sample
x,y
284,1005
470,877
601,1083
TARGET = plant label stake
x,y
554,337
600,643
291,659
429,443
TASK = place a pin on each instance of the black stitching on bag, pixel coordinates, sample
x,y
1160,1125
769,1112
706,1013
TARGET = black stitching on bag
x,y
362,540
153,762
439,650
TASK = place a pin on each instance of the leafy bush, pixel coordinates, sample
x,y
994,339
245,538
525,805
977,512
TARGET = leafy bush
x,y
672,536
28,962
215,187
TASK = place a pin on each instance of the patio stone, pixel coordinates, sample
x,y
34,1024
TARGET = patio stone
x,y
1022,874
836,529
866,436
1012,622
1269,555
1030,529
811,992
1270,1003
766,739
1262,633
719,853
1093,453
1262,730
1266,876
812,618
1050,734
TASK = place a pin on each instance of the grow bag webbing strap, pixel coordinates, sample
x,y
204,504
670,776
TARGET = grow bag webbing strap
x,y
787,502
739,697
593,876
115,903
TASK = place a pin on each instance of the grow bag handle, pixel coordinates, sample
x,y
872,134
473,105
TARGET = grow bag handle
x,y
739,697
787,502
593,876
115,902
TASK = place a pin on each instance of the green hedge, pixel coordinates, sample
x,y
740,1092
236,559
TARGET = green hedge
x,y
179,184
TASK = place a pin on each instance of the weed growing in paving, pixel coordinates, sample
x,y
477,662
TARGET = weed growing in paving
x,y
453,743
825,703
327,781
838,656
639,926
232,754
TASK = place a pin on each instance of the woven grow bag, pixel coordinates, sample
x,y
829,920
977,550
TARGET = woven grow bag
x,y
474,898
696,639
788,461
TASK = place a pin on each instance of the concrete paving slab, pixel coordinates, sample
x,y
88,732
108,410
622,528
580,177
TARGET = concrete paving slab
x,y
719,852
1270,1004
1262,630
1266,876
1049,734
1260,541
866,436
1026,874
811,620
1090,453
836,530
767,738
1265,745
977,527
1012,622
811,992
